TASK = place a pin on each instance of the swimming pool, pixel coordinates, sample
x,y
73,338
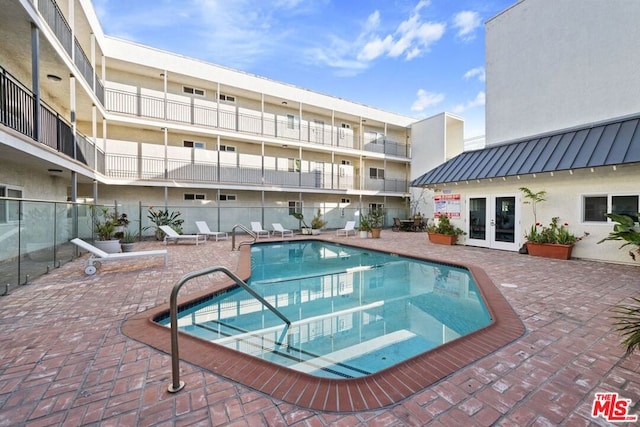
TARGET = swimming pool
x,y
353,311
200,358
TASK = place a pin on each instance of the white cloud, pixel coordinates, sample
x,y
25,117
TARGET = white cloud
x,y
478,101
475,72
466,23
410,39
426,99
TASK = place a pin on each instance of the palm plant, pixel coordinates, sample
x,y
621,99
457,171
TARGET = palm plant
x,y
624,229
627,324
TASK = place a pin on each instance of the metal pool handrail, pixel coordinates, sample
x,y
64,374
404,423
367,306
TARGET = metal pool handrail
x,y
233,236
176,384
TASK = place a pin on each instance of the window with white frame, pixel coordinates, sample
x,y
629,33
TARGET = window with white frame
x,y
294,206
595,207
227,197
193,144
193,91
292,122
9,209
227,98
293,165
194,196
344,200
375,207
376,173
227,148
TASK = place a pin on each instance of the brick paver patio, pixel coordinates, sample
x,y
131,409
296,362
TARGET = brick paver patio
x,y
64,360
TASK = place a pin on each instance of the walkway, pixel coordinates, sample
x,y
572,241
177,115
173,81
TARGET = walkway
x,y
64,360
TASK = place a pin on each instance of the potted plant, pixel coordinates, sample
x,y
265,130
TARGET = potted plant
x,y
127,241
104,225
553,241
532,199
317,223
163,217
364,227
375,219
305,229
442,232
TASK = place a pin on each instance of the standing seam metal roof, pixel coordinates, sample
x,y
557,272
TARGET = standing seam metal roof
x,y
612,143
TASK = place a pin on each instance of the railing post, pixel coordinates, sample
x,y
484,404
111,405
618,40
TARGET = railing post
x,y
177,385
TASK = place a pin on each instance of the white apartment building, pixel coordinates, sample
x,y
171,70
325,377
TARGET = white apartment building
x,y
118,121
562,116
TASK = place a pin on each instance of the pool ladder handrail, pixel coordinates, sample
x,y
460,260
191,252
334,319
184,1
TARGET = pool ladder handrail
x,y
176,384
245,242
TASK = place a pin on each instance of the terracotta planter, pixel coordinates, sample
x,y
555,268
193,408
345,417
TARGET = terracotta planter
x,y
375,233
549,250
442,239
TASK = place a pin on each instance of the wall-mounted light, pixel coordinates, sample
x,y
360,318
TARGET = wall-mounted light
x,y
54,172
53,78
284,102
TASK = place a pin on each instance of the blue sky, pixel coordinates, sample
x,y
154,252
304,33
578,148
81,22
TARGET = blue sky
x,y
412,57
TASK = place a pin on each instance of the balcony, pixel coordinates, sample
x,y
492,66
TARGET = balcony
x,y
194,165
151,104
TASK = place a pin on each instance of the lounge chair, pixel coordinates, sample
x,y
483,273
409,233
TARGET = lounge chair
x,y
203,229
98,255
170,234
278,228
256,227
348,228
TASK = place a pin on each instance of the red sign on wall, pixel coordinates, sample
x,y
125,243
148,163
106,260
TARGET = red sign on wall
x,y
446,205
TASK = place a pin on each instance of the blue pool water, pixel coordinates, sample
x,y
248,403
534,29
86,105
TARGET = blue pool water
x,y
353,311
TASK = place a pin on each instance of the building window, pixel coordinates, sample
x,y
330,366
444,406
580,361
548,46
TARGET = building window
x,y
193,144
9,209
227,148
376,207
227,197
294,165
193,91
375,173
595,207
292,123
192,196
345,126
227,98
294,206
345,200
345,162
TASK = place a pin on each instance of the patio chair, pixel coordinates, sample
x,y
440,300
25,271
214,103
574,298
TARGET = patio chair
x,y
256,227
397,224
203,229
98,255
170,234
277,228
348,228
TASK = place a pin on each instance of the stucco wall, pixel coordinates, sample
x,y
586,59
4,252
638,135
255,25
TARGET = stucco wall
x,y
556,64
564,199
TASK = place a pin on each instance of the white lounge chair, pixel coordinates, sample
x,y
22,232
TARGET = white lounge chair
x,y
98,255
203,229
170,234
256,227
278,228
348,228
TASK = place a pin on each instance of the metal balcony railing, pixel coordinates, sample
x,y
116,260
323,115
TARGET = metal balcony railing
x,y
253,122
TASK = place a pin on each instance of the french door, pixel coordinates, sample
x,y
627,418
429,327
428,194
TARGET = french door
x,y
494,222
